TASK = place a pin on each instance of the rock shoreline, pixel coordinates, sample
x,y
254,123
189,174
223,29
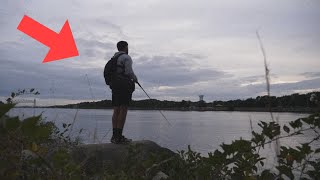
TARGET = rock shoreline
x,y
96,157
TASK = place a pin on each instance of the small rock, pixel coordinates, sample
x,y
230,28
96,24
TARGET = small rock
x,y
160,175
27,154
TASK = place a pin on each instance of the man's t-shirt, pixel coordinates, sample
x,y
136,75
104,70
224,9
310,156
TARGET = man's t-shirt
x,y
126,61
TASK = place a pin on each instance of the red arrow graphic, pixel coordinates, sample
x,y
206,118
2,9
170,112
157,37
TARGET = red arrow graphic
x,y
62,45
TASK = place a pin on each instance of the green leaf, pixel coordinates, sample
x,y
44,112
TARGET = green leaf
x,y
296,124
44,132
4,164
286,171
306,149
9,100
31,90
12,123
30,125
4,108
308,120
271,130
317,150
266,174
286,129
13,95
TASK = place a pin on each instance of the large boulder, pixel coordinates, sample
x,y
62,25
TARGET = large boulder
x,y
98,157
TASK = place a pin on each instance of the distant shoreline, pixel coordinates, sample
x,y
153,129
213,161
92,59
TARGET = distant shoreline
x,y
202,109
294,103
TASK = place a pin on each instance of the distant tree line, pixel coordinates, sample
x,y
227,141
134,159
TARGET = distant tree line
x,y
293,100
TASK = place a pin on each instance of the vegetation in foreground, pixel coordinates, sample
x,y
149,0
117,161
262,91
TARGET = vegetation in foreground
x,y
34,149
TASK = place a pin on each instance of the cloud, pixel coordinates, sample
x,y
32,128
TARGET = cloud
x,y
91,43
174,71
91,48
311,74
288,88
21,69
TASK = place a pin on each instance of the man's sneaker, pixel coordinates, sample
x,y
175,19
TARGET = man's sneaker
x,y
115,140
124,140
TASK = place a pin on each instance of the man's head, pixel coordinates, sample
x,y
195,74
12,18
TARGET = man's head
x,y
123,46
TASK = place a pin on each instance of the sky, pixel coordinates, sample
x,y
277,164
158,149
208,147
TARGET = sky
x,y
180,48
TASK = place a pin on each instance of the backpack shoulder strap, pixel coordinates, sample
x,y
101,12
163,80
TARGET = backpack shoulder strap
x,y
117,57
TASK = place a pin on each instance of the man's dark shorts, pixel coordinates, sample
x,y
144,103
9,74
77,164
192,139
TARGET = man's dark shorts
x,y
122,90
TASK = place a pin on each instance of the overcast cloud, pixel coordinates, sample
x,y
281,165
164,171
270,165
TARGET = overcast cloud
x,y
180,48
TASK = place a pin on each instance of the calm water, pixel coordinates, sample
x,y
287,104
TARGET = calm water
x,y
204,131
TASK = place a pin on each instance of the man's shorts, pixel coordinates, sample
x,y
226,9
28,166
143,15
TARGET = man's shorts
x,y
122,90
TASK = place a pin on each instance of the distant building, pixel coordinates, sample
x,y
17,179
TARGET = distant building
x,y
201,97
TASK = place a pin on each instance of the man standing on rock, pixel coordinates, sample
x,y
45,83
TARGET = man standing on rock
x,y
122,85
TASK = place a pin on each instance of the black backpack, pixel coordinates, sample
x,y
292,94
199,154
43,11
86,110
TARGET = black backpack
x,y
110,69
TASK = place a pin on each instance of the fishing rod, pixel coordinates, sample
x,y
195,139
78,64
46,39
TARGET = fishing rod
x,y
151,99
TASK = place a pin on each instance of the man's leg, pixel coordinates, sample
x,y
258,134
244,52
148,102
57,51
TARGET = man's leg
x,y
125,97
121,122
115,119
122,116
115,116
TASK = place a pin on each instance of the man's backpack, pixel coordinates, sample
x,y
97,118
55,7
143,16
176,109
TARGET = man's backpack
x,y
110,69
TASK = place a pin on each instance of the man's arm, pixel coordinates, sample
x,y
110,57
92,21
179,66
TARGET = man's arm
x,y
129,70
